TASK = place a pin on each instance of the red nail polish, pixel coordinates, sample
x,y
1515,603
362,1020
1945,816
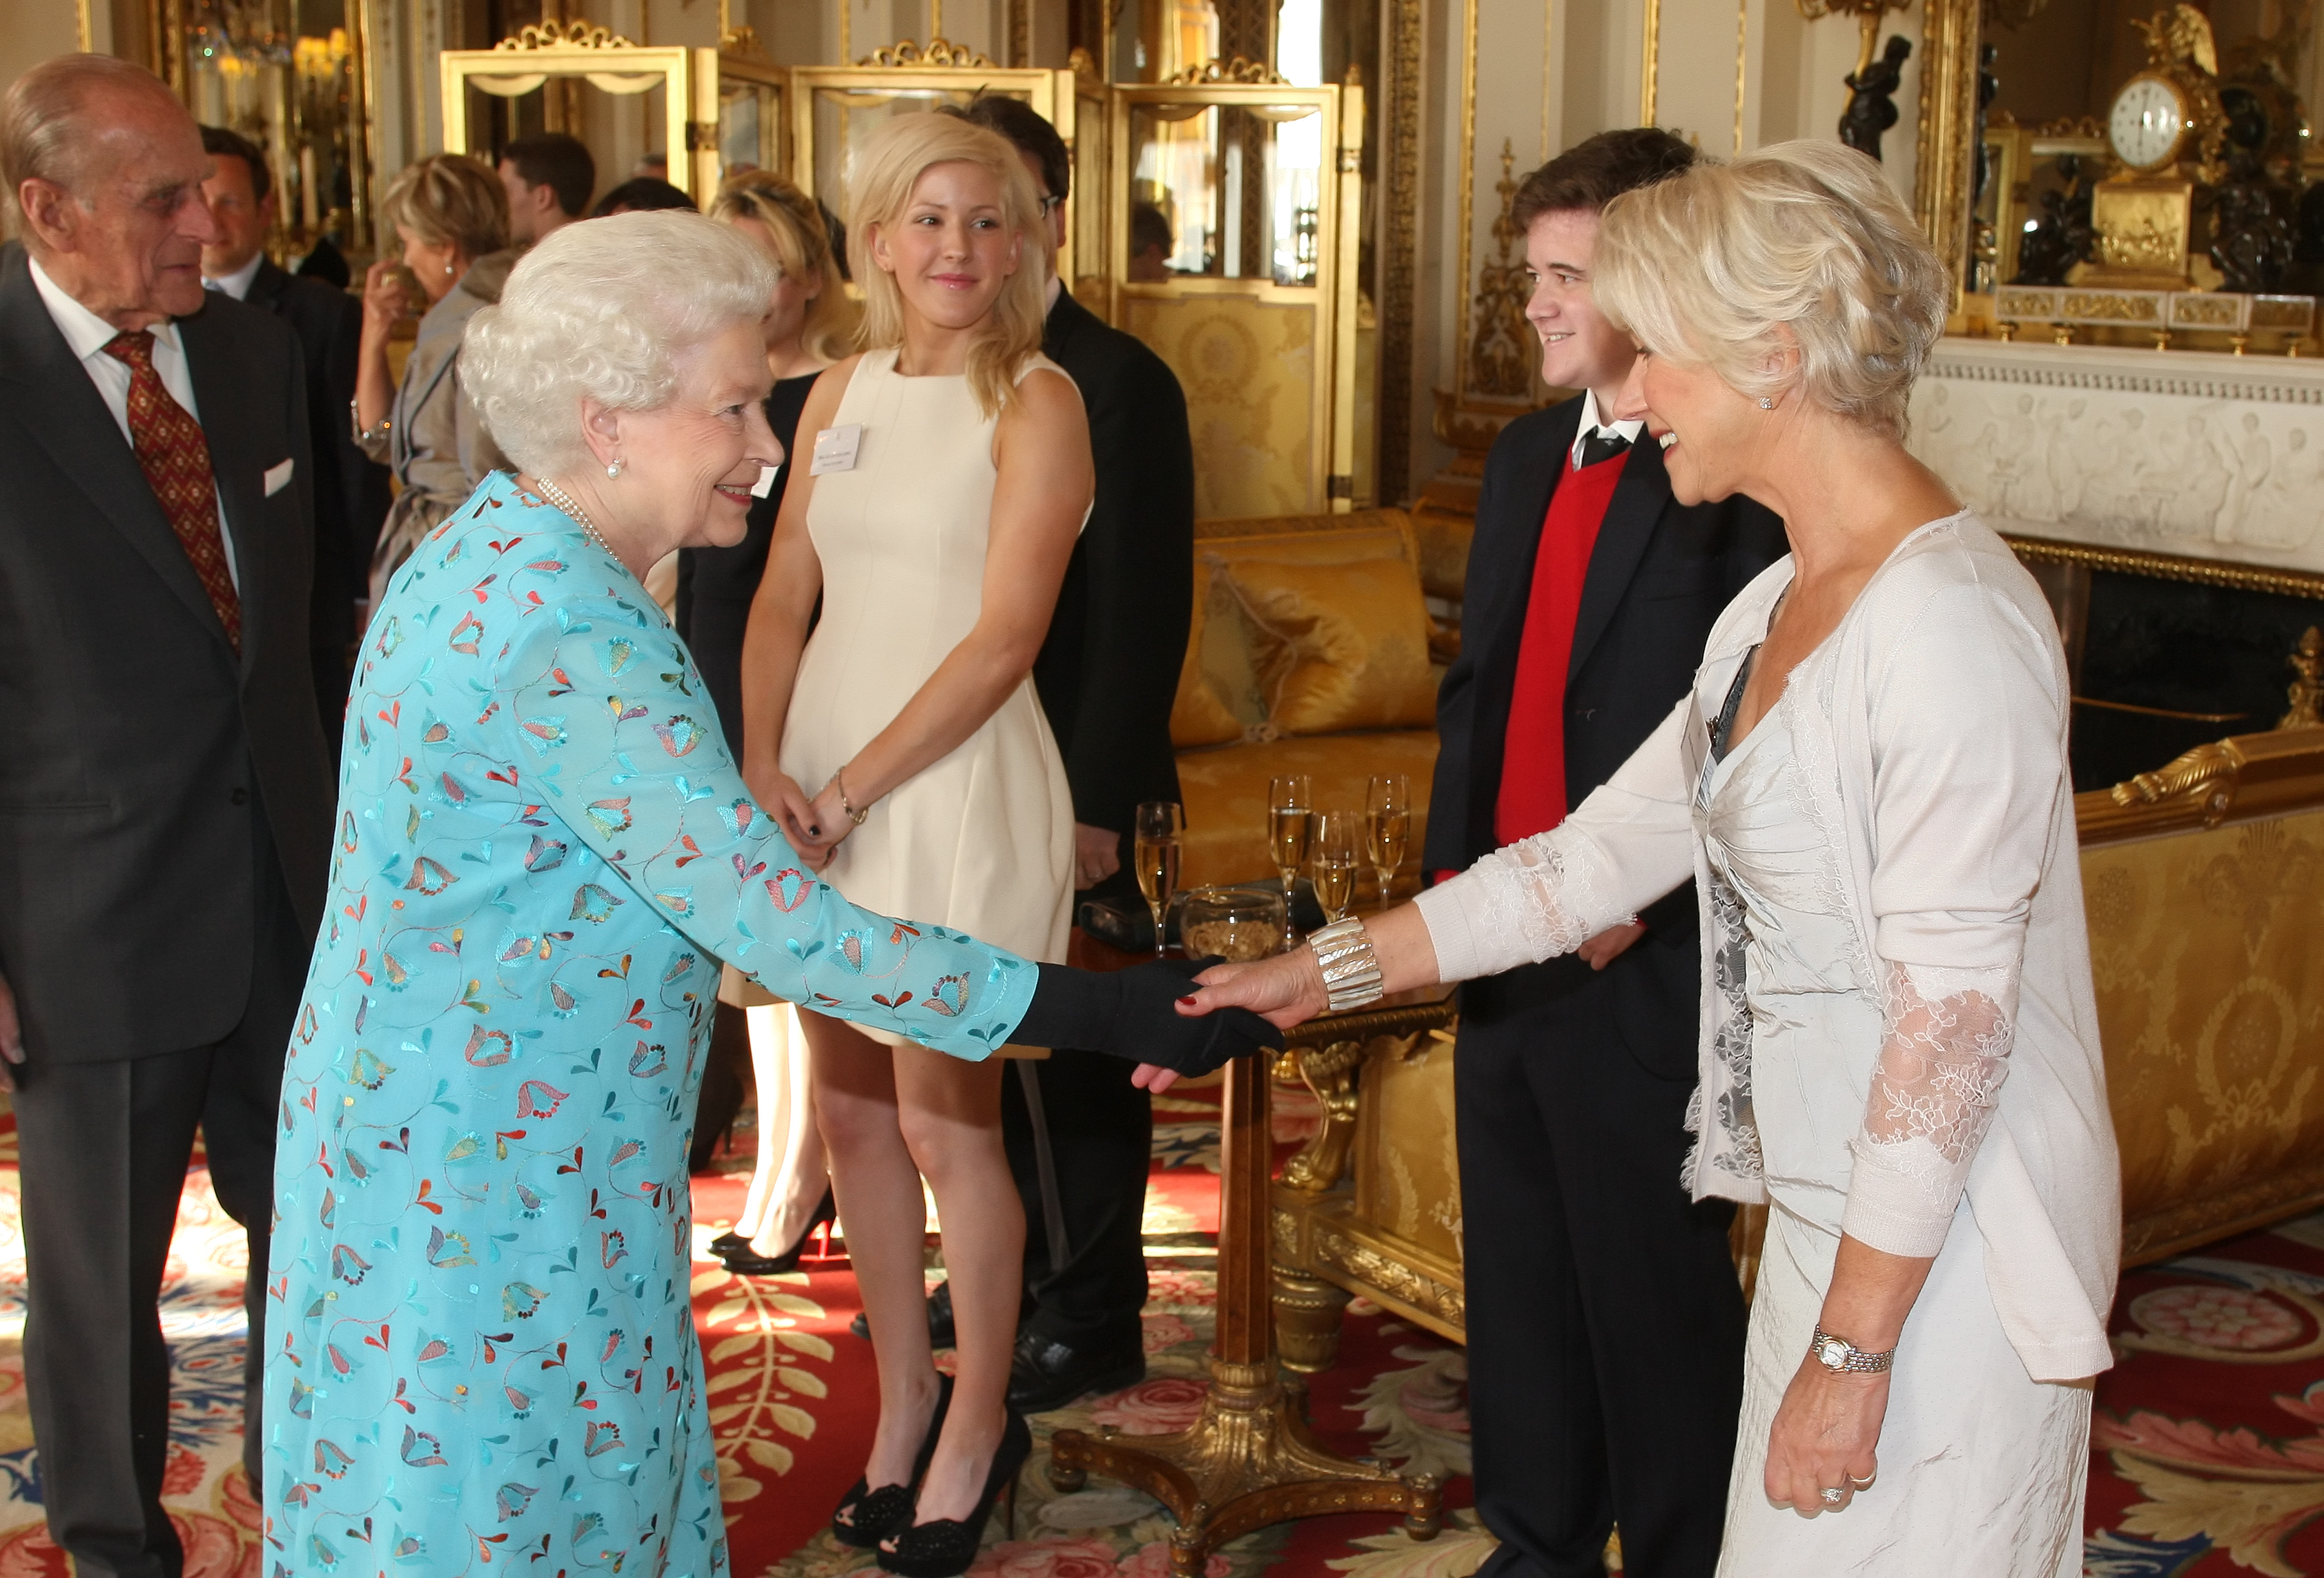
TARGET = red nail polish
x,y
1188,999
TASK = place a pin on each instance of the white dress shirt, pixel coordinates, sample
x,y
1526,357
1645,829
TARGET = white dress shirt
x,y
1591,423
88,335
237,284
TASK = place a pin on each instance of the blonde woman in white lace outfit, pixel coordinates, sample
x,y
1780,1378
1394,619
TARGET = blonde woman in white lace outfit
x,y
1869,783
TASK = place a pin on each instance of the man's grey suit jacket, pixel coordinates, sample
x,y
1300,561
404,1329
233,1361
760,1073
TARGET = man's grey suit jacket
x,y
143,767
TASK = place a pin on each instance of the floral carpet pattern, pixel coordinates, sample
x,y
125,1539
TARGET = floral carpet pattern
x,y
2207,1453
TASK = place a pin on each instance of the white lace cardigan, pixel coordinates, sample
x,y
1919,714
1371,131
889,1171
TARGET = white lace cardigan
x,y
1933,744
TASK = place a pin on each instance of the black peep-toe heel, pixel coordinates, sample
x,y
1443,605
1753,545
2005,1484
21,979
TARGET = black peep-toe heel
x,y
946,1548
872,1515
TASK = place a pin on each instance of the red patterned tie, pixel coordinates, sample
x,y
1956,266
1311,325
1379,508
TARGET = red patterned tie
x,y
177,460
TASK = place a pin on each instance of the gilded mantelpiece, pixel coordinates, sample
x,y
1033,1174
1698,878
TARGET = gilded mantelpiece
x,y
2204,883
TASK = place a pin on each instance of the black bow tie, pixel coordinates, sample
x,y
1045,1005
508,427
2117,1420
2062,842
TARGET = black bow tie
x,y
1602,445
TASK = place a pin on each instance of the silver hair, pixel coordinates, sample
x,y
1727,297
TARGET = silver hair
x,y
43,129
1798,246
604,308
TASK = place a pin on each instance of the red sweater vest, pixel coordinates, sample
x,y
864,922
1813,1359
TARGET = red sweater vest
x,y
1532,796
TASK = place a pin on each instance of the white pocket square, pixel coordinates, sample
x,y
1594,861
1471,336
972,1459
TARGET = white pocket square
x,y
278,477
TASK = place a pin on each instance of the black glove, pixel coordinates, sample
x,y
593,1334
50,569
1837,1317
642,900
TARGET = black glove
x,y
1132,1013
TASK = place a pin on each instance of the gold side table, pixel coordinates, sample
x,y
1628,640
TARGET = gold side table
x,y
1250,1460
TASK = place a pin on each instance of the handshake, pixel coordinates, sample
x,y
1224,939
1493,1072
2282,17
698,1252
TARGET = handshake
x,y
1133,1013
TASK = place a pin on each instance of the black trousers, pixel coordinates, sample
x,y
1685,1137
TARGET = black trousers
x,y
104,1149
1605,1326
1101,1136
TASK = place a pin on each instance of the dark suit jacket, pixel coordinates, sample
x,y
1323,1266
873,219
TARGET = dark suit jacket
x,y
351,492
1659,575
1108,670
144,766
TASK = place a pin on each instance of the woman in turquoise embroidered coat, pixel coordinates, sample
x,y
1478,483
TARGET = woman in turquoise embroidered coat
x,y
481,1355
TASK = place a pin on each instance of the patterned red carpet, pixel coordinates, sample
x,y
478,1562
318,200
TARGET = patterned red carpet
x,y
2207,1458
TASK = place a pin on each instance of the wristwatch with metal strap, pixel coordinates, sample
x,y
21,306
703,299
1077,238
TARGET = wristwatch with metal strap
x,y
1842,1357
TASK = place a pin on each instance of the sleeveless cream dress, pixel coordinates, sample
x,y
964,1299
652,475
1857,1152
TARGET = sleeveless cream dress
x,y
980,840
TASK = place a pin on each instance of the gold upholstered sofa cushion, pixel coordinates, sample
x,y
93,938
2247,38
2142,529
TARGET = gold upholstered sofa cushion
x,y
1310,653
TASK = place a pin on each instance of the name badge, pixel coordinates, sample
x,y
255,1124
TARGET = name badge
x,y
766,483
835,448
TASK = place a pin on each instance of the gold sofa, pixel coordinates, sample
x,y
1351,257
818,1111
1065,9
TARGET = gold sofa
x,y
1312,652
2204,885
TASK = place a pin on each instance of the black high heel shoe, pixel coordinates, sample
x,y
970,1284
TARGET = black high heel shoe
x,y
872,1515
945,1548
745,1262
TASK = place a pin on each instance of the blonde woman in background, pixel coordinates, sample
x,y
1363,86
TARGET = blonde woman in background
x,y
1868,784
790,1189
451,219
905,747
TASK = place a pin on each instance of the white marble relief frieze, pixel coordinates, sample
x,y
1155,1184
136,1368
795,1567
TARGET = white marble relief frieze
x,y
2209,456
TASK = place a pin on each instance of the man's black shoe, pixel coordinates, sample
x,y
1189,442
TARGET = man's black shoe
x,y
940,1334
1048,1374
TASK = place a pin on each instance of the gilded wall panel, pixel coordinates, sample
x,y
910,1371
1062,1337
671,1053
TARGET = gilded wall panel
x,y
2211,994
1248,368
1407,1170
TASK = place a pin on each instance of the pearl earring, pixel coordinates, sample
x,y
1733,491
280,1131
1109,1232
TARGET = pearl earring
x,y
614,468
1767,402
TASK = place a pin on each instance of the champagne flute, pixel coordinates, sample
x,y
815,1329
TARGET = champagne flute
x,y
1156,852
1336,855
1387,823
1290,827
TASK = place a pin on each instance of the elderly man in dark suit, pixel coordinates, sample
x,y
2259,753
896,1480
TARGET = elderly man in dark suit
x,y
164,802
351,492
1605,1326
1107,675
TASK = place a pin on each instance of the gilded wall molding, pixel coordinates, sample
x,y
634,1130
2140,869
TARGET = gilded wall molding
x,y
2165,567
564,35
1948,130
1398,166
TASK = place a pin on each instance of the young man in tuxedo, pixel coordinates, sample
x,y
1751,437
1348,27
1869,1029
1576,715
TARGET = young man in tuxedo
x,y
351,492
1107,675
165,808
1605,1326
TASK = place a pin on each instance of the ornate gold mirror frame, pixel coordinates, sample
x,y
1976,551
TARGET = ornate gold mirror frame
x,y
1201,322
1950,31
608,62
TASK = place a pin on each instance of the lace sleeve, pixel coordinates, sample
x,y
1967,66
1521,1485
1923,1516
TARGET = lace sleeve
x,y
1944,1052
1523,903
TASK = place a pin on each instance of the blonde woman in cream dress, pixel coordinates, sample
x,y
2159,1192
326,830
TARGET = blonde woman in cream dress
x,y
1868,785
941,479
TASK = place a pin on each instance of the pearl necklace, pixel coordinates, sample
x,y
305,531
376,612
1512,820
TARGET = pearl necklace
x,y
564,500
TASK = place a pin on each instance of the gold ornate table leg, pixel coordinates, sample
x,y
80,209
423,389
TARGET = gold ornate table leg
x,y
1250,1459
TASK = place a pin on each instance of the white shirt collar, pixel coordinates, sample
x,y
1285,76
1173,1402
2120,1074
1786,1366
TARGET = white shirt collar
x,y
1591,423
237,284
85,331
1050,293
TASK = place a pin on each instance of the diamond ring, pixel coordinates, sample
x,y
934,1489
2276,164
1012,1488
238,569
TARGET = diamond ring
x,y
1831,1498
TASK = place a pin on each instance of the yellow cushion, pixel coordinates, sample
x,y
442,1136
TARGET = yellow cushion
x,y
1342,646
1224,792
1219,699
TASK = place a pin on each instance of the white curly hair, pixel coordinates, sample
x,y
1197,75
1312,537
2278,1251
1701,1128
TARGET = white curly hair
x,y
610,309
1713,266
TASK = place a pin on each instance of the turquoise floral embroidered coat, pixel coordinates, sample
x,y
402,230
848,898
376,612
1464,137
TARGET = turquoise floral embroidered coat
x,y
481,1354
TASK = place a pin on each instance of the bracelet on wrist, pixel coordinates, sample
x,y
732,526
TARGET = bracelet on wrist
x,y
1352,972
354,419
855,816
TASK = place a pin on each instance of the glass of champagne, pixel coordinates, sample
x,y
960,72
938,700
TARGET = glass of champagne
x,y
1156,851
1334,870
1388,822
1238,925
1290,827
